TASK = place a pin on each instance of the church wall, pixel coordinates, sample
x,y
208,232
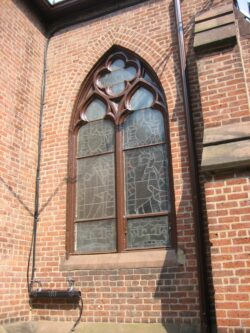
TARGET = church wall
x,y
149,286
220,104
128,293
21,64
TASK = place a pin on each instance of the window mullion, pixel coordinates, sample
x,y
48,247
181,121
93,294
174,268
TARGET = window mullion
x,y
120,199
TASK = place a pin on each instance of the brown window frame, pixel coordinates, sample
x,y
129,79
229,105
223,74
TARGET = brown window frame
x,y
88,92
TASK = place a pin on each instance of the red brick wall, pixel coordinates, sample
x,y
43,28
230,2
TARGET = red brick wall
x,y
222,88
148,30
219,97
21,55
143,295
244,48
228,215
164,294
245,55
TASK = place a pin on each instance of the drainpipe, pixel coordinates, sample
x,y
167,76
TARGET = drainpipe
x,y
70,292
37,186
194,174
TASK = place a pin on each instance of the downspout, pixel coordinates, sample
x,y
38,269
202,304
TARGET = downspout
x,y
194,173
32,253
37,185
70,292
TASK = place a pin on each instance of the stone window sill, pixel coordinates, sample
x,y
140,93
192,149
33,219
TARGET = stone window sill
x,y
135,259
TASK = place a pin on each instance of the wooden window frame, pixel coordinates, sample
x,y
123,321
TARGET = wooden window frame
x,y
88,92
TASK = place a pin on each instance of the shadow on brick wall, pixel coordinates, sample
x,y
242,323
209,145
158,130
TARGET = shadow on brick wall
x,y
177,286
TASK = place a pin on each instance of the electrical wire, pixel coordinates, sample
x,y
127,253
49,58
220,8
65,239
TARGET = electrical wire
x,y
29,287
80,305
32,251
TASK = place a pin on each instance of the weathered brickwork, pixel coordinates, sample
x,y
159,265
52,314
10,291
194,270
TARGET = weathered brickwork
x,y
222,88
228,213
21,66
116,296
131,296
218,85
218,80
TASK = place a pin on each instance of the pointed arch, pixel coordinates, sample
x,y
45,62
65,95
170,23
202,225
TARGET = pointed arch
x,y
105,183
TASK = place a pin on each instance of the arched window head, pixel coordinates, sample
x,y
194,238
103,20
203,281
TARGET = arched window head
x,y
120,198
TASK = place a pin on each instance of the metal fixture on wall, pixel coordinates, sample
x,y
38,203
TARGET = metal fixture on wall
x,y
194,174
71,292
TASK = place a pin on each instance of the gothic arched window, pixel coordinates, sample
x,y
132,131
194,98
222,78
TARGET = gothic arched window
x,y
119,194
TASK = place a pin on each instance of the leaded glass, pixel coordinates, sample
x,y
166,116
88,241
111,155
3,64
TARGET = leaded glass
x,y
95,187
122,138
141,99
117,76
146,179
117,89
96,138
96,110
148,232
117,64
96,236
144,127
148,78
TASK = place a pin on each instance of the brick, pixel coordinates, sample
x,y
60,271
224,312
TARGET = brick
x,y
218,86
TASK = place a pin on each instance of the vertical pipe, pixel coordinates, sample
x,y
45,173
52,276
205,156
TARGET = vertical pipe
x,y
194,174
37,186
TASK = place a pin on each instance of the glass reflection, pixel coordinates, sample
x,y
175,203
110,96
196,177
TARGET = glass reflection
x,y
146,180
96,110
144,127
142,99
117,89
95,187
96,138
118,76
117,64
95,236
148,232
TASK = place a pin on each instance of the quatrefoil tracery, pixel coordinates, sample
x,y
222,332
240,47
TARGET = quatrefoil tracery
x,y
120,86
116,75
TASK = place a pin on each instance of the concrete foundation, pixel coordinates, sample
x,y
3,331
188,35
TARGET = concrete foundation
x,y
65,327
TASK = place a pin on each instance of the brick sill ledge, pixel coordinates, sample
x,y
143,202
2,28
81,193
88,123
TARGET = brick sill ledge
x,y
139,259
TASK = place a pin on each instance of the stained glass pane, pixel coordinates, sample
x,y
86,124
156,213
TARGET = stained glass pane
x,y
147,78
148,232
96,110
141,99
95,138
117,89
95,236
117,76
95,187
117,64
146,179
143,127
